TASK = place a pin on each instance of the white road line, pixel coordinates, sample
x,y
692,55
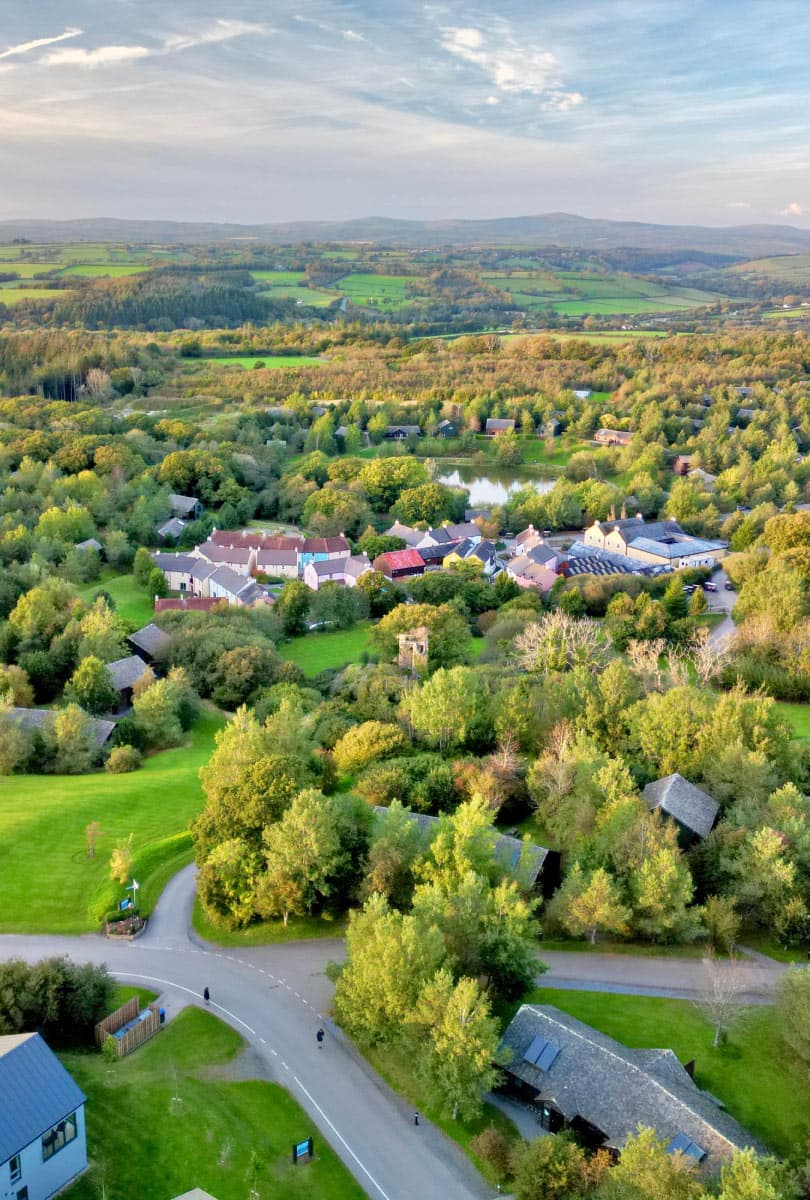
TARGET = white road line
x,y
284,1065
179,987
340,1137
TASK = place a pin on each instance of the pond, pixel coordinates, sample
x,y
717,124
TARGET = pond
x,y
493,486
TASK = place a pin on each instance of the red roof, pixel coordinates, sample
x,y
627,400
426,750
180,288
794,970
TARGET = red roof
x,y
186,603
399,560
246,539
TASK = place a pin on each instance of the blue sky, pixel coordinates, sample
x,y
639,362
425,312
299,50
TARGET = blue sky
x,y
658,110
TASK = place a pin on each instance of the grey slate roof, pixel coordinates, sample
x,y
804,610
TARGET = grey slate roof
x,y
409,535
182,504
151,639
171,528
509,850
175,562
90,544
499,425
40,718
616,1088
125,672
691,807
36,1089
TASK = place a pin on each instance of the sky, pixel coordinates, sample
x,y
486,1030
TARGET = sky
x,y
674,111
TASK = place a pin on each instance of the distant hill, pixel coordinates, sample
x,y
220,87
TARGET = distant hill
x,y
550,229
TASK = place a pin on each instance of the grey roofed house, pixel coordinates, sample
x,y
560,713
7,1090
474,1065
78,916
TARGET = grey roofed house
x,y
437,554
184,506
39,719
691,807
543,553
90,544
150,641
511,851
499,425
464,529
402,431
407,533
37,1092
171,528
126,672
175,562
606,1090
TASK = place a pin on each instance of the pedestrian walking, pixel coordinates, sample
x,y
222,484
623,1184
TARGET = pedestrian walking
x,y
320,1036
206,995
416,1118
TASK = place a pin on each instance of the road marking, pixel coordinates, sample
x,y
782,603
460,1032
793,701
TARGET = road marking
x,y
342,1139
179,987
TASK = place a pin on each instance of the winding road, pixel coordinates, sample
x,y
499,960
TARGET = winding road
x,y
276,997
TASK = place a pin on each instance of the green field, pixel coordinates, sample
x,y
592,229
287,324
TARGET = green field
x,y
170,1117
270,361
786,268
108,270
377,291
29,270
746,1073
775,313
274,277
131,601
573,293
798,715
311,296
15,295
316,652
47,883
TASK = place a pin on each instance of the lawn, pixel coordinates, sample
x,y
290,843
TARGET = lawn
x,y
266,933
169,1118
47,882
316,652
747,1073
798,715
29,270
269,360
377,291
14,295
131,601
106,271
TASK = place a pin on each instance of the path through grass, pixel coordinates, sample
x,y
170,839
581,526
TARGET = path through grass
x,y
170,1118
47,882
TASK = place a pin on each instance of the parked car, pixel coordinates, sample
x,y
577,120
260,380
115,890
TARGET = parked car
x,y
709,586
729,586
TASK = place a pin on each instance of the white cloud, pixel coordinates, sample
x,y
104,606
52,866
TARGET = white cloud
x,y
24,47
738,204
793,210
511,67
102,56
349,35
222,30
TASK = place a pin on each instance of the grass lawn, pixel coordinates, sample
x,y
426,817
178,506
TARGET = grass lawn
x,y
747,1073
47,883
314,652
131,601
125,992
270,360
109,271
798,715
14,295
161,1122
266,933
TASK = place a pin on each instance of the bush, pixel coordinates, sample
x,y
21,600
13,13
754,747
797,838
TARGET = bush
x,y
366,743
60,999
495,1149
123,759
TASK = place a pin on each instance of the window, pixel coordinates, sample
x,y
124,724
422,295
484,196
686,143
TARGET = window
x,y
57,1138
15,1168
22,1194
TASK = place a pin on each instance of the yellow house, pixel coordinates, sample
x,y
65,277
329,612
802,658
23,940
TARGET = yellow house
x,y
467,566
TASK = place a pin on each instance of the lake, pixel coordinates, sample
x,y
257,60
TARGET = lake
x,y
493,487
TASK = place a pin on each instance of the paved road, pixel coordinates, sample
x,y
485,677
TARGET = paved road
x,y
723,601
275,995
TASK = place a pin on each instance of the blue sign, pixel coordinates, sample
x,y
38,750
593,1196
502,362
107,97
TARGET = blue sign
x,y
302,1150
123,905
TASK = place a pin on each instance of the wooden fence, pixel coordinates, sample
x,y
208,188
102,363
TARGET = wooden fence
x,y
134,1037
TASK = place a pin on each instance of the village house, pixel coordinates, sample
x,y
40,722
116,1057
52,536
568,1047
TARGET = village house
x,y
43,1143
37,720
150,642
399,564
400,433
320,549
185,604
532,575
704,478
410,536
170,530
90,543
613,437
694,811
484,553
682,464
574,1077
125,674
345,571
279,563
447,429
499,425
659,543
187,507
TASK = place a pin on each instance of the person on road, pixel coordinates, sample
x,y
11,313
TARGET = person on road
x,y
320,1036
416,1118
206,995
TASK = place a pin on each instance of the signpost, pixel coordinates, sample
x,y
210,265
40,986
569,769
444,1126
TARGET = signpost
x,y
302,1151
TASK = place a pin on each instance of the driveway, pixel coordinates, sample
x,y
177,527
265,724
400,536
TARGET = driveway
x,y
721,601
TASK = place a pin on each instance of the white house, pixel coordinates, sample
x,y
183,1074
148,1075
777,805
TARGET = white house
x,y
43,1143
345,571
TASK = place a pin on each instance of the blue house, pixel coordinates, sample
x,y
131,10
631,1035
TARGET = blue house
x,y
43,1144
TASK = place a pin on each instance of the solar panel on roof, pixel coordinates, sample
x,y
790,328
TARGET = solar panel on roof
x,y
550,1052
541,1053
535,1049
683,1143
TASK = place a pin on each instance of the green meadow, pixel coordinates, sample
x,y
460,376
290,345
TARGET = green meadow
x,y
47,882
269,360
